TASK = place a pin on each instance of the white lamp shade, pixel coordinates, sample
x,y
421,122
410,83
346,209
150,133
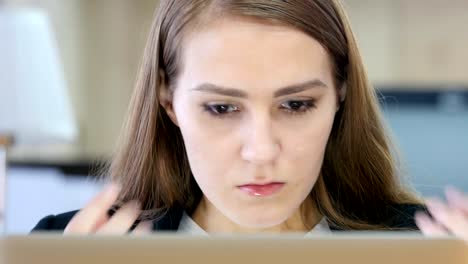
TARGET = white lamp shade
x,y
35,106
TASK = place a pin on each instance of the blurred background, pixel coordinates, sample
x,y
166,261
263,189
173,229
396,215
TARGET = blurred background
x,y
73,64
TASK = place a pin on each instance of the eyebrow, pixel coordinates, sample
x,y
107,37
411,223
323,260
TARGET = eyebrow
x,y
290,89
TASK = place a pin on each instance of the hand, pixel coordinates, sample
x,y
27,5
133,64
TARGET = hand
x,y
450,218
93,218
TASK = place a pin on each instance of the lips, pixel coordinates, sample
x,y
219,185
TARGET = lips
x,y
262,190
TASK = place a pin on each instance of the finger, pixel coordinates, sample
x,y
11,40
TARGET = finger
x,y
94,213
451,218
122,220
457,199
143,228
429,227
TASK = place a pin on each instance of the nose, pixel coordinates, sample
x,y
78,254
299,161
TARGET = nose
x,y
260,144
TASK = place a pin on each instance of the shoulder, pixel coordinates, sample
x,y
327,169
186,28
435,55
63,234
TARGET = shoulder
x,y
169,221
401,216
394,217
54,222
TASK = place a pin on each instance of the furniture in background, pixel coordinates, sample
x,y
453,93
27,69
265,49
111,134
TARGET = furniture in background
x,y
35,107
5,141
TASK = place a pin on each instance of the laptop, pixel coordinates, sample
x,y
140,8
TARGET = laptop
x,y
285,249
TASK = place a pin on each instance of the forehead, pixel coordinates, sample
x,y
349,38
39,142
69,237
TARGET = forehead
x,y
248,54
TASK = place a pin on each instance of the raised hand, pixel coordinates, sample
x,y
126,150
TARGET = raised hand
x,y
447,218
93,218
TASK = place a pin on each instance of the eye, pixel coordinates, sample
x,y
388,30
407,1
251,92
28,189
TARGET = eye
x,y
298,106
220,109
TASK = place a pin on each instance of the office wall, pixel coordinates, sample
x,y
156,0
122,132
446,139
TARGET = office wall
x,y
413,42
115,34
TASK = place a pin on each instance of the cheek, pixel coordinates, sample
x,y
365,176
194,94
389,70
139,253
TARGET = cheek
x,y
210,147
310,142
304,148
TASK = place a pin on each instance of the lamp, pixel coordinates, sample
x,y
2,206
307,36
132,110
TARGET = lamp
x,y
34,104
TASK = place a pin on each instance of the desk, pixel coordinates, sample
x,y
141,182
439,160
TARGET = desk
x,y
69,159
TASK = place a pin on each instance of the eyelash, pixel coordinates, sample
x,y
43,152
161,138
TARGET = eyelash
x,y
307,105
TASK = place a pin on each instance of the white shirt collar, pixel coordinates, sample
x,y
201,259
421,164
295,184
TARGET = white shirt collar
x,y
188,226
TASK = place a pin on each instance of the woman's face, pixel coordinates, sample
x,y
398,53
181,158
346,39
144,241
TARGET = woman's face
x,y
255,104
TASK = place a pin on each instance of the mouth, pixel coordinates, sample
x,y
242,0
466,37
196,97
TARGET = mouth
x,y
262,190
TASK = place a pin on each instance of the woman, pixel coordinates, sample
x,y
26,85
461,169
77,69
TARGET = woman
x,y
252,116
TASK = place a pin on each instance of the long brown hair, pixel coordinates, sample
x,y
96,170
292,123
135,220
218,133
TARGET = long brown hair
x,y
359,177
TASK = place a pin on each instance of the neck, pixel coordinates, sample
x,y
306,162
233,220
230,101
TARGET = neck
x,y
213,221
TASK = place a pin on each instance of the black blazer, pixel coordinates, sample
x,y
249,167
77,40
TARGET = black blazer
x,y
398,217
